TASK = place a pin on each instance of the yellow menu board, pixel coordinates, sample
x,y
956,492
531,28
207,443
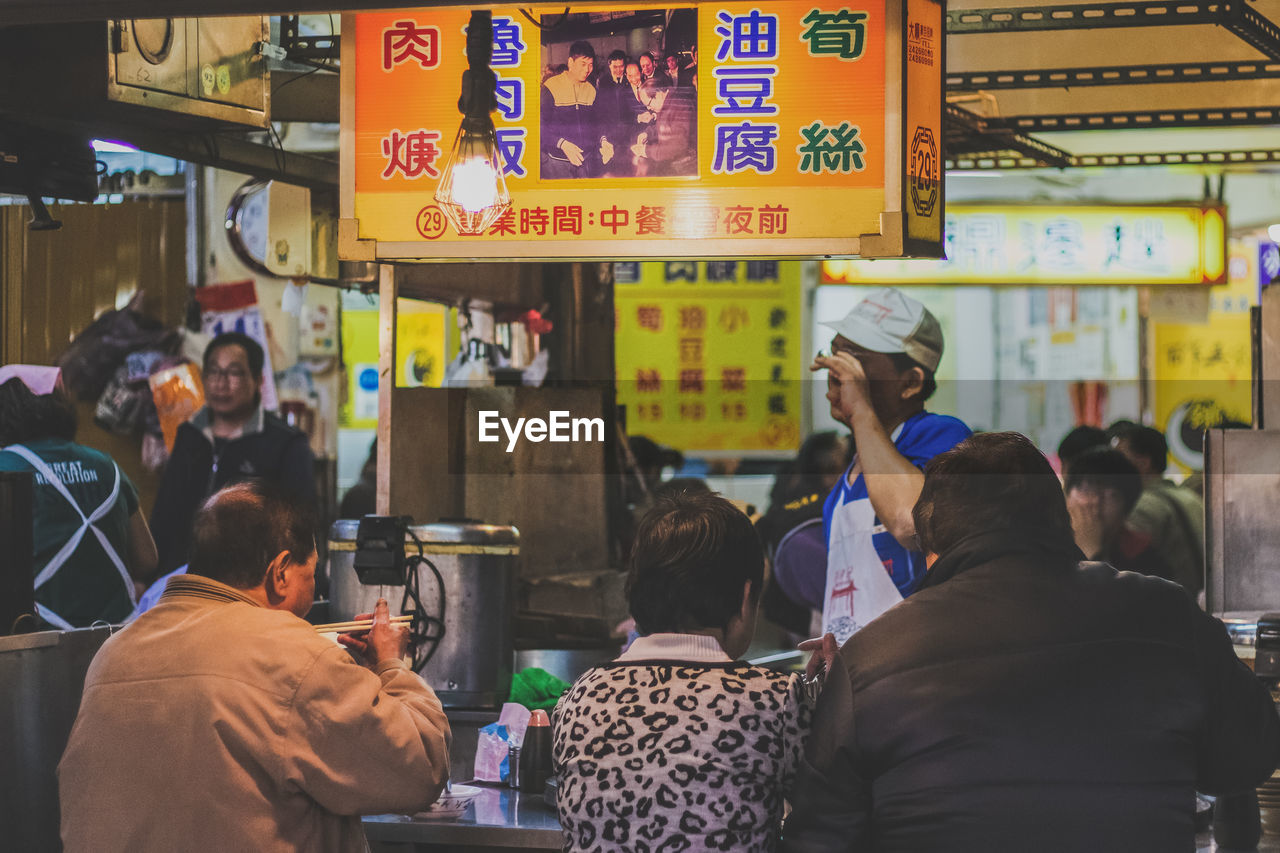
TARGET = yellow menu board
x,y
420,356
708,354
743,130
1203,371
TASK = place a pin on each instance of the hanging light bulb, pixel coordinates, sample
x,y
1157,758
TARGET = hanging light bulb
x,y
472,192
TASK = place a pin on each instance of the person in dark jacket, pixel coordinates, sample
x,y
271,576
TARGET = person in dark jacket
x,y
1022,699
229,440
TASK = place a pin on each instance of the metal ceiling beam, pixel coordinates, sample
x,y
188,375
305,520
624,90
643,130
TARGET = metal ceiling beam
x,y
976,128
991,161
1083,16
1224,117
240,155
1112,75
1253,27
1244,21
314,47
224,151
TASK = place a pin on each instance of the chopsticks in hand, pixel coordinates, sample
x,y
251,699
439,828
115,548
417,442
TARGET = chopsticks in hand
x,y
358,625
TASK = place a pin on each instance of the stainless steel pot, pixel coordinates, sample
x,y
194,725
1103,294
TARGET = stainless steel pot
x,y
471,667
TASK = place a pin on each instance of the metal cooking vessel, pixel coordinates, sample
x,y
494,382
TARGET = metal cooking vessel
x,y
471,668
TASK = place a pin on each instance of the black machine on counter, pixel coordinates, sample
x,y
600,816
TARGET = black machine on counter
x,y
457,577
1266,663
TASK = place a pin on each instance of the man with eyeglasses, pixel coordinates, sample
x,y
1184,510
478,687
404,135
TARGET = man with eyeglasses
x,y
879,375
229,440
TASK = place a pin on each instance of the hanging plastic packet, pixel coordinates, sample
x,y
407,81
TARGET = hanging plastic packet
x,y
495,742
492,745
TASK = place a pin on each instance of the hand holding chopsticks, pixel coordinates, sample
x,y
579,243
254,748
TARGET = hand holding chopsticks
x,y
358,625
383,641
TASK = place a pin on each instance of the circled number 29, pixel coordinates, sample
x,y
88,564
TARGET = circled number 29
x,y
431,222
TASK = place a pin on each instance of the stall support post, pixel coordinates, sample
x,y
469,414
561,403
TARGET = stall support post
x,y
388,292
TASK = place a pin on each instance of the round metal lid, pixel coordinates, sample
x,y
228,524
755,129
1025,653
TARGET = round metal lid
x,y
444,532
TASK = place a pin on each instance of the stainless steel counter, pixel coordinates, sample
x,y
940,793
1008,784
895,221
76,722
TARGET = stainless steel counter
x,y
499,818
1205,844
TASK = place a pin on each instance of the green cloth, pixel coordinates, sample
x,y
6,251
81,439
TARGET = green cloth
x,y
537,689
88,587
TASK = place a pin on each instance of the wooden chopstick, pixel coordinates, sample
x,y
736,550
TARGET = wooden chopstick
x,y
359,625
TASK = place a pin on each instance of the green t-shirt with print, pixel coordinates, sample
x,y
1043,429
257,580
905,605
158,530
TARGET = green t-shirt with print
x,y
88,587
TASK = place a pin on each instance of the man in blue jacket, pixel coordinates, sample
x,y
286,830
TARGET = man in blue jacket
x,y
231,439
879,375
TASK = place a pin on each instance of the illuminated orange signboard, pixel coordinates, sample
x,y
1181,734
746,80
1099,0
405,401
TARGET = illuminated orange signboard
x,y
1062,245
697,130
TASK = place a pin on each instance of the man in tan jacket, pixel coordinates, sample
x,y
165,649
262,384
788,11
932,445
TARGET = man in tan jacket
x,y
220,720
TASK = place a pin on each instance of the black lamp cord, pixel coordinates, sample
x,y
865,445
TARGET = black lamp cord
x,y
479,83
426,632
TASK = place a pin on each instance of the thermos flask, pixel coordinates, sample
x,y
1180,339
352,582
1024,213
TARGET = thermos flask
x,y
535,754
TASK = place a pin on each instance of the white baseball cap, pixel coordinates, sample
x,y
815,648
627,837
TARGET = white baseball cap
x,y
889,321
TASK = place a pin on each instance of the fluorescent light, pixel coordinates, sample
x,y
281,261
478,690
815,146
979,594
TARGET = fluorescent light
x,y
110,146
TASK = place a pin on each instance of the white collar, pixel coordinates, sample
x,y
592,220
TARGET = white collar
x,y
694,648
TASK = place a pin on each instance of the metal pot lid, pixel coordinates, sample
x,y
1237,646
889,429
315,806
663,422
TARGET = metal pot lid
x,y
444,532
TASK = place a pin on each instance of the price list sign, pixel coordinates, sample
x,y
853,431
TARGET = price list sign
x,y
704,130
708,353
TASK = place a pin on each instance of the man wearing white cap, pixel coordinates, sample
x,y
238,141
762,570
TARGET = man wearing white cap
x,y
879,375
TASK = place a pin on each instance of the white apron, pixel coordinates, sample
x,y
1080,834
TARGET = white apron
x,y
87,522
859,587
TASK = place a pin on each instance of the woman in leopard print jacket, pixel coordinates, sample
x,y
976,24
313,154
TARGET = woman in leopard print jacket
x,y
677,745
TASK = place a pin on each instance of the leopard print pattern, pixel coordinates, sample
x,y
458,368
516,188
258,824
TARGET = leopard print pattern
x,y
657,757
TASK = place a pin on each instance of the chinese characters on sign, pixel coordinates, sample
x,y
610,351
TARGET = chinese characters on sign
x,y
774,140
744,88
1023,244
615,220
416,153
708,354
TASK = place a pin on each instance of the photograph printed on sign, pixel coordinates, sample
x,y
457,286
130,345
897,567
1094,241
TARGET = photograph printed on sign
x,y
620,94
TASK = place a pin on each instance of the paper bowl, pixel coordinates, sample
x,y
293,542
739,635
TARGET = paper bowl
x,y
451,804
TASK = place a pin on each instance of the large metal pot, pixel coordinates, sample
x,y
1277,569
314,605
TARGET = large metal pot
x,y
471,668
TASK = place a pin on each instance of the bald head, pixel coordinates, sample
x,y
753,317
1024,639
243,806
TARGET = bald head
x,y
243,528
